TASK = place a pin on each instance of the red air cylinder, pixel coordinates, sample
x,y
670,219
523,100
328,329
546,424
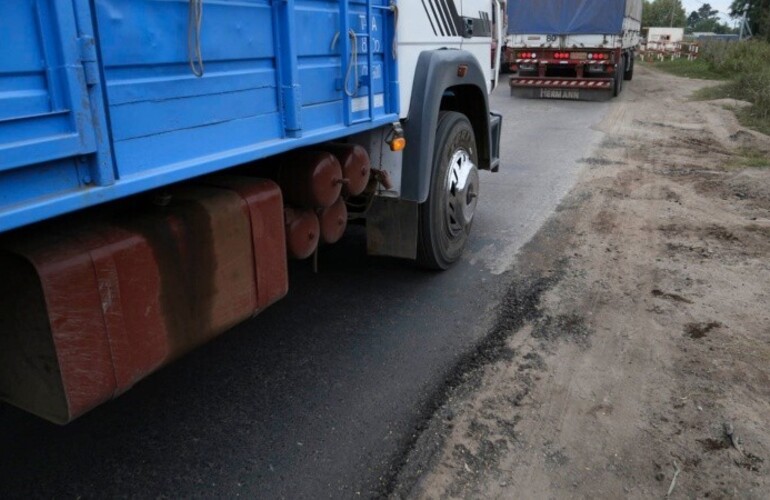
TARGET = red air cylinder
x,y
302,233
310,179
356,166
334,221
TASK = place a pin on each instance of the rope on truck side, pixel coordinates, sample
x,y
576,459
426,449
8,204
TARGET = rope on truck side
x,y
194,23
394,9
352,64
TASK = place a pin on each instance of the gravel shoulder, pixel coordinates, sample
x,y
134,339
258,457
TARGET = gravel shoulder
x,y
631,356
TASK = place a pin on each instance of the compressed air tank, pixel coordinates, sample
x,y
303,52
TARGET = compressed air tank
x,y
356,166
310,179
302,232
333,221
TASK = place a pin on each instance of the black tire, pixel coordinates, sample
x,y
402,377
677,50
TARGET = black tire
x,y
446,217
628,74
617,88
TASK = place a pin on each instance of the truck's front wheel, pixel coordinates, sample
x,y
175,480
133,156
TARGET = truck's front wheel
x,y
446,216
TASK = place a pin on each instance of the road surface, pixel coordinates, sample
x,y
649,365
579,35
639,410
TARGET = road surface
x,y
321,394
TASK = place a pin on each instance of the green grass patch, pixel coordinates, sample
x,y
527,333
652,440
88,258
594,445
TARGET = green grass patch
x,y
749,118
722,91
753,158
698,68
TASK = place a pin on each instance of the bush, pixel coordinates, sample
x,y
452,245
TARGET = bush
x,y
755,87
732,59
748,63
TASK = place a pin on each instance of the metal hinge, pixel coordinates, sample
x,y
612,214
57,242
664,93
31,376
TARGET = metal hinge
x,y
292,113
89,60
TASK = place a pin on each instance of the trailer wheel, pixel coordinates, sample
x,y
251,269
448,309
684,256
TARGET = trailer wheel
x,y
628,74
618,87
446,216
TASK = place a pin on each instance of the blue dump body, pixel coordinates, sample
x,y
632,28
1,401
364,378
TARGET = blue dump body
x,y
571,17
98,99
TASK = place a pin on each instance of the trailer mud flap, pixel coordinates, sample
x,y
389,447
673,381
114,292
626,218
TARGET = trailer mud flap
x,y
570,89
89,308
563,94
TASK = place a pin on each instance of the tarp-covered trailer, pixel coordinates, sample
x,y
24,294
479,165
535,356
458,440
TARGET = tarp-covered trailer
x,y
573,49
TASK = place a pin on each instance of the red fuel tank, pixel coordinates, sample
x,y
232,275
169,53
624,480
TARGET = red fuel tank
x,y
302,233
264,205
310,179
103,303
334,221
356,166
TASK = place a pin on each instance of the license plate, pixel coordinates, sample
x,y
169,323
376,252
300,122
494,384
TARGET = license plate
x,y
580,56
560,94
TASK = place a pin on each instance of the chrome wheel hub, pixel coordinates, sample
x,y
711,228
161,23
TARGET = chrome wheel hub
x,y
462,192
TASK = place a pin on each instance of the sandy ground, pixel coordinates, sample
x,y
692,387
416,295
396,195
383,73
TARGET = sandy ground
x,y
632,354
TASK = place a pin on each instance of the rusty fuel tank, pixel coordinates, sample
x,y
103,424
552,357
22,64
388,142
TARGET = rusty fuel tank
x,y
310,179
356,166
302,232
102,302
334,221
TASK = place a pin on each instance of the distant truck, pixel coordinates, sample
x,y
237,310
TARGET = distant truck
x,y
572,49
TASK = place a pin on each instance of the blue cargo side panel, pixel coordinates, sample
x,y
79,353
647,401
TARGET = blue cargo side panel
x,y
163,114
334,66
44,113
53,142
98,99
577,17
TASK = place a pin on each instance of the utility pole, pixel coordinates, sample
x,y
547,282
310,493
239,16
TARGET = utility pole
x,y
745,23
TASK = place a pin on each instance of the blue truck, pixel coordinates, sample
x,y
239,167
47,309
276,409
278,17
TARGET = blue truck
x,y
162,160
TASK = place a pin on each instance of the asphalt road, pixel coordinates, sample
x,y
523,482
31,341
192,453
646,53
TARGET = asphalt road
x,y
319,395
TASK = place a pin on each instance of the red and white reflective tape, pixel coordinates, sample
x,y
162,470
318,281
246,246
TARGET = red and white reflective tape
x,y
526,61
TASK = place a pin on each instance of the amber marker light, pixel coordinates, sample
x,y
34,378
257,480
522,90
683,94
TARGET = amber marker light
x,y
398,144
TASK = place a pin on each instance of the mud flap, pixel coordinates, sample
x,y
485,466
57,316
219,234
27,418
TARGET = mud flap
x,y
570,94
495,128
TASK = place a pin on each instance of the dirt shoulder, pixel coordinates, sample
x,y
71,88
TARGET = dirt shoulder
x,y
634,346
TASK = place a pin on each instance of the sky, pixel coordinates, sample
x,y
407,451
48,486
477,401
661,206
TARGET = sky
x,y
722,5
